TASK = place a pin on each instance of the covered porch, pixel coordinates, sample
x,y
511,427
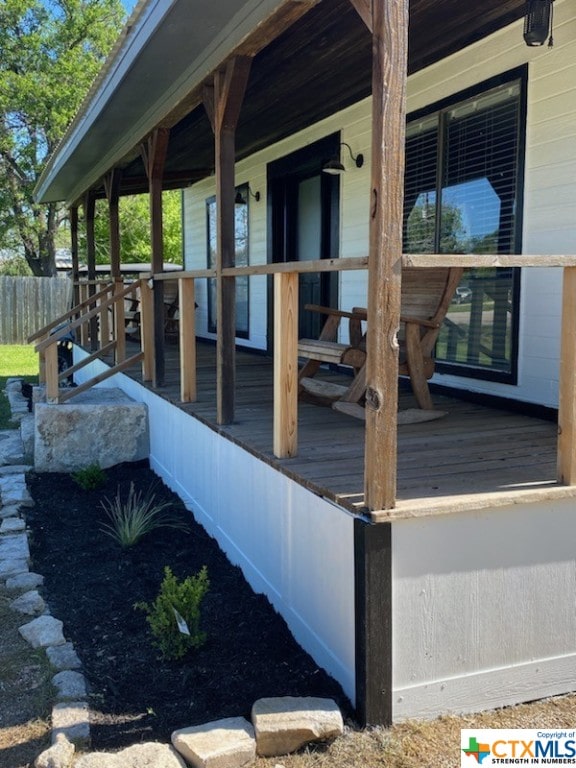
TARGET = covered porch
x,y
358,532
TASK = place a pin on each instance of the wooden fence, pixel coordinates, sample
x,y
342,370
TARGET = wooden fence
x,y
29,303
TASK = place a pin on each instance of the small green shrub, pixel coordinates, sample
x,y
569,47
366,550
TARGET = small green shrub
x,y
132,519
90,478
174,616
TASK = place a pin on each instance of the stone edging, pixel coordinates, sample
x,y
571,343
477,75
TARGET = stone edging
x,y
70,711
279,725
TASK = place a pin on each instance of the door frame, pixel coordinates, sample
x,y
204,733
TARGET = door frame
x,y
283,176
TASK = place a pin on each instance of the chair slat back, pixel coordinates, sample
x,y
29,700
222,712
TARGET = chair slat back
x,y
426,295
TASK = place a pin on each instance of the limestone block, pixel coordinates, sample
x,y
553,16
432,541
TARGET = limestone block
x,y
13,490
27,434
14,547
106,428
285,724
63,657
13,510
227,743
12,567
11,449
15,469
148,755
25,581
71,720
42,632
29,603
12,525
59,755
13,384
70,685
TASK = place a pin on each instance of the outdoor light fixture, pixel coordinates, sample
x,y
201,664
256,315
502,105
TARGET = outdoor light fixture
x,y
537,22
335,165
241,200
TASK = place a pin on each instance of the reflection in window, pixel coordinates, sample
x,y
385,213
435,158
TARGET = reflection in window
x,y
241,260
461,196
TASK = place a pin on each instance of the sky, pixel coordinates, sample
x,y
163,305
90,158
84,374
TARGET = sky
x,y
129,5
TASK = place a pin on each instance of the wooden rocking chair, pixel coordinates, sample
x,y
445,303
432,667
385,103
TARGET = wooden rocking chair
x,y
425,299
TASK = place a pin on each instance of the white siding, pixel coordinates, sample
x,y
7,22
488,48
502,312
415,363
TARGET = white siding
x,y
291,545
484,608
549,206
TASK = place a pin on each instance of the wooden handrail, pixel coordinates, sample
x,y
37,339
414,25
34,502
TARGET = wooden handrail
x,y
55,337
70,313
101,377
347,264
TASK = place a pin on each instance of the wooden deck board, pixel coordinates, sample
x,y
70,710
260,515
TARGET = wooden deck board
x,y
475,451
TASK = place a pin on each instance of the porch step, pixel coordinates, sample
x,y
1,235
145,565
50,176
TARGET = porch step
x,y
101,426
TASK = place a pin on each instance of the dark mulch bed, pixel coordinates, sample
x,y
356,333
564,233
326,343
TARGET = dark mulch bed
x,y
91,584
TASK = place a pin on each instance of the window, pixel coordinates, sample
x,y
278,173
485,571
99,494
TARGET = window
x,y
241,255
462,195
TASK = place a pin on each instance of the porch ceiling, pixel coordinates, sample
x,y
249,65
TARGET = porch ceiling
x,y
321,64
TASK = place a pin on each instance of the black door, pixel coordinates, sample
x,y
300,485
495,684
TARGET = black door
x,y
304,208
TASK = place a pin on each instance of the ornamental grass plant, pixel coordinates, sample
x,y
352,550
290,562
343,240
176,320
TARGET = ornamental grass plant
x,y
139,514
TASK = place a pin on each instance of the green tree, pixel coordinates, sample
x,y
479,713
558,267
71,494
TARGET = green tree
x,y
135,228
14,266
51,53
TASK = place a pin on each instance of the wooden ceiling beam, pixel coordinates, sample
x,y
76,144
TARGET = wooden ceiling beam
x,y
364,8
253,43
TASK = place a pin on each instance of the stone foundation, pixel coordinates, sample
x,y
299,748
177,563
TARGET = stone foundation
x,y
102,426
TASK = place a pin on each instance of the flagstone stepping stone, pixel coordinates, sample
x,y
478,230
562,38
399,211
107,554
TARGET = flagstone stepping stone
x,y
284,724
12,525
70,685
59,755
12,567
63,657
25,581
42,632
148,755
227,743
71,719
14,547
30,603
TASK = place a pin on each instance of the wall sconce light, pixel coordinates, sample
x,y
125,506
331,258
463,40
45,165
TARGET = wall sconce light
x,y
537,22
335,165
241,200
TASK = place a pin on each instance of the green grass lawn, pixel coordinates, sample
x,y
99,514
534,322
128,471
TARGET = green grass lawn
x,y
19,361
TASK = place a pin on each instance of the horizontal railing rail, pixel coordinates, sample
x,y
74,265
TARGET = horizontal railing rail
x,y
285,274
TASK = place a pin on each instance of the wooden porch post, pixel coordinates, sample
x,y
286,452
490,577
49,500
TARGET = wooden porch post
x,y
154,156
223,103
90,213
373,609
74,252
187,339
112,187
389,71
567,394
286,364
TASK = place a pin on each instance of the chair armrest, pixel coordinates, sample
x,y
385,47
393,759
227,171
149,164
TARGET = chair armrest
x,y
328,311
419,321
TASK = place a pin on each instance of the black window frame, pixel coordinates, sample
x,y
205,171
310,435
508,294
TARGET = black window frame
x,y
441,107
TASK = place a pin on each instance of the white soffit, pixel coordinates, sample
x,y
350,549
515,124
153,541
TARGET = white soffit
x,y
167,49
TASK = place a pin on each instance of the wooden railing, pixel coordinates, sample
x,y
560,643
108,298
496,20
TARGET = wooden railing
x,y
98,321
285,275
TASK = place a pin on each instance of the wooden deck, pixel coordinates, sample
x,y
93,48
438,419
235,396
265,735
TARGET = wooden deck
x,y
475,457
